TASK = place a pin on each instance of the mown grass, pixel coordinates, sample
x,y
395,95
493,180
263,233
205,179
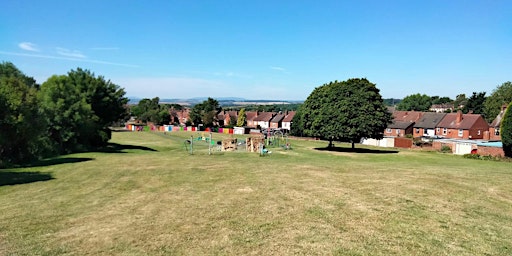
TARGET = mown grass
x,y
145,195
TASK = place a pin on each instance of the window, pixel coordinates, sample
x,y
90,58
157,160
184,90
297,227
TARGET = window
x,y
445,131
417,130
461,132
438,130
497,131
398,131
478,133
388,130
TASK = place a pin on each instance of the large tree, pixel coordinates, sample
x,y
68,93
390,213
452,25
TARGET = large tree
x,y
205,113
499,96
506,131
150,110
241,118
21,124
417,102
80,108
345,111
475,103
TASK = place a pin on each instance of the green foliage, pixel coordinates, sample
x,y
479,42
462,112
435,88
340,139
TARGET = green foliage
x,y
475,103
21,125
150,110
506,131
446,149
416,102
345,111
391,102
205,113
501,95
241,118
440,100
460,100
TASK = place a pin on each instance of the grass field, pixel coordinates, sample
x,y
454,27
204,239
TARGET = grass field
x,y
147,196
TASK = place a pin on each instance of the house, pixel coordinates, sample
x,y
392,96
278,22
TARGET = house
x,y
494,128
263,119
179,116
442,108
249,118
276,121
287,121
426,125
402,124
224,118
462,126
398,128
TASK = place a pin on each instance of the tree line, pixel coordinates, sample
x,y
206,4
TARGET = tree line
x,y
478,103
66,113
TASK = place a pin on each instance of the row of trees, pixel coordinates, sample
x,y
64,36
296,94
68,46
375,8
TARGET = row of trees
x,y
66,113
477,103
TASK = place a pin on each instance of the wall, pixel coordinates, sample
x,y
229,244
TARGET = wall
x,y
493,151
403,143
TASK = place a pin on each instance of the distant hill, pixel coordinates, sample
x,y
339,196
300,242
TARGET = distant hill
x,y
223,101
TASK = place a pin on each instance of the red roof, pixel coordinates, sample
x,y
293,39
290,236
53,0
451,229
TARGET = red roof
x,y
289,117
265,116
467,121
251,115
406,116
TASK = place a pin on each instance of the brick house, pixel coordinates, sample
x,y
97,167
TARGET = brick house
x,y
442,108
462,126
249,118
263,119
494,128
402,124
287,121
276,121
224,118
426,125
399,129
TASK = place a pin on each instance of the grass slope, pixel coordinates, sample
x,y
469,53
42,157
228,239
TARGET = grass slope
x,y
147,196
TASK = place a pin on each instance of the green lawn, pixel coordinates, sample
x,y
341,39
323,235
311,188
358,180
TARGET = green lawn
x,y
148,196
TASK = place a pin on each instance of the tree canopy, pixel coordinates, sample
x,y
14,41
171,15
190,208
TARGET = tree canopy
x,y
345,111
21,125
506,131
150,110
205,113
416,102
475,103
500,95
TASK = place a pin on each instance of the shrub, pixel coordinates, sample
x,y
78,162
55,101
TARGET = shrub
x,y
446,149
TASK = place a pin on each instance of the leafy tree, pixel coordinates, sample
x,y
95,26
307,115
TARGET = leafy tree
x,y
499,96
21,124
506,131
205,113
67,112
150,110
475,103
416,102
80,107
441,100
460,101
347,111
241,118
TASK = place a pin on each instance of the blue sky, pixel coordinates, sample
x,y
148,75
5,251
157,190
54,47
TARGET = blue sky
x,y
264,49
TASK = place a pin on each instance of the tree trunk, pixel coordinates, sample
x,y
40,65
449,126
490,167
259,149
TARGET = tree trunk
x,y
353,145
330,144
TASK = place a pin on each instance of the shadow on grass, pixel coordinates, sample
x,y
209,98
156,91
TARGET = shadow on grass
x,y
119,148
357,150
15,178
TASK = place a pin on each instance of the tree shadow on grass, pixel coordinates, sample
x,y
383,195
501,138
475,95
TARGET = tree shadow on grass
x,y
357,150
15,178
119,148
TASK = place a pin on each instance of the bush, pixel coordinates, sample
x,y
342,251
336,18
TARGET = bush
x,y
446,149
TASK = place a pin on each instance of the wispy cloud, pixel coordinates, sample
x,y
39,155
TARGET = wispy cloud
x,y
278,68
28,46
105,48
68,58
70,53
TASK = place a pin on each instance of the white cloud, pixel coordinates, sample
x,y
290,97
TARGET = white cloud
x,y
68,58
105,48
70,53
28,46
278,68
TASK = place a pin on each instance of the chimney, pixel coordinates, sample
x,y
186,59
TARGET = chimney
x,y
459,117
